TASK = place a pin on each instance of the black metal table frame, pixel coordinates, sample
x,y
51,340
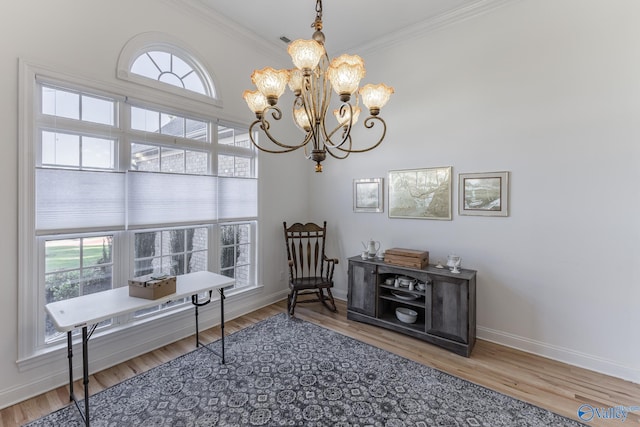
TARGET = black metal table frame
x,y
86,334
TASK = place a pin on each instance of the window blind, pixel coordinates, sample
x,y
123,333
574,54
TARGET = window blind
x,y
75,200
237,198
164,198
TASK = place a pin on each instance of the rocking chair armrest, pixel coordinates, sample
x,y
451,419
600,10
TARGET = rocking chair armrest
x,y
331,262
290,263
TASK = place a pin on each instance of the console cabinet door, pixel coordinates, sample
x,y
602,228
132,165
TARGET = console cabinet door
x,y
449,301
362,288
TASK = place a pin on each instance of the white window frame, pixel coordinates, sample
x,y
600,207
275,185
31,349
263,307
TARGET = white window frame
x,y
119,247
31,249
150,41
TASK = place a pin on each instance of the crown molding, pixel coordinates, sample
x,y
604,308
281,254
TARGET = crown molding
x,y
231,28
236,30
438,22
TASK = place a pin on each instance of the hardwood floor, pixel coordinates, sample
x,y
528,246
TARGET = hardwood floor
x,y
546,383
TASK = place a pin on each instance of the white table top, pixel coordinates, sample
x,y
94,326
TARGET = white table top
x,y
89,309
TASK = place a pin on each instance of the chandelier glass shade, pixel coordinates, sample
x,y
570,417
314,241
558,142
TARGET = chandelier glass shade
x,y
312,81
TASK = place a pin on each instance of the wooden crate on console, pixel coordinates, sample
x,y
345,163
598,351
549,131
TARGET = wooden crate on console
x,y
407,257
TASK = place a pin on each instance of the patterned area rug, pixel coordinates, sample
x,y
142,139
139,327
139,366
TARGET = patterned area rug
x,y
288,372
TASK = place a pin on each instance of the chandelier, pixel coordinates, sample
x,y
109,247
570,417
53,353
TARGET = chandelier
x,y
311,82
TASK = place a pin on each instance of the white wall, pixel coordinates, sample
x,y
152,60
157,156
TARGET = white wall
x,y
549,90
545,89
84,39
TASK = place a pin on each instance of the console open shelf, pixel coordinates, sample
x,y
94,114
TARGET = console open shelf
x,y
446,307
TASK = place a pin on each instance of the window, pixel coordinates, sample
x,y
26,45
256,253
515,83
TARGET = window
x,y
124,187
161,62
235,252
168,68
191,155
76,266
236,154
176,251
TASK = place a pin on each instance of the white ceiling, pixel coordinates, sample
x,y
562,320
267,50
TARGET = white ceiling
x,y
348,24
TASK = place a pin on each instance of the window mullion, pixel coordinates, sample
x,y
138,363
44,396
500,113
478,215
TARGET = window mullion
x,y
62,117
124,142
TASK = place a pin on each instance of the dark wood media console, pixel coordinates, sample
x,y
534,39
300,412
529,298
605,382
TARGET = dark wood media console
x,y
446,307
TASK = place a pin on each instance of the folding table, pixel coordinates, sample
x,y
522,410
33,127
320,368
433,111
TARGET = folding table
x,y
87,311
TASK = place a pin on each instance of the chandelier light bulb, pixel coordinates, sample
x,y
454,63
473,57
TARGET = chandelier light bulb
x,y
354,60
344,79
256,101
374,97
345,73
295,81
305,54
302,119
271,83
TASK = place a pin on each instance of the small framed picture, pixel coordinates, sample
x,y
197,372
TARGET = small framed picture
x,y
368,195
483,194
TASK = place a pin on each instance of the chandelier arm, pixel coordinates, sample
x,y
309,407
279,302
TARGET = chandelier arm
x,y
253,141
265,126
346,152
346,135
368,123
313,134
325,101
320,94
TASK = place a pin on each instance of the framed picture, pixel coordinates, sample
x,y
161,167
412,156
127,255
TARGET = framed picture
x,y
420,193
368,195
483,194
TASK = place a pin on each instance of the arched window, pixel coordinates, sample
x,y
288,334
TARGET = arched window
x,y
168,68
162,62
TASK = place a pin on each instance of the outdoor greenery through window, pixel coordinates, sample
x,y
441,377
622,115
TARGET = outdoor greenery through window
x,y
126,189
74,267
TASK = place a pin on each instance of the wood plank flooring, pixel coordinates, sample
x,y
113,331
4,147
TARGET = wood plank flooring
x,y
546,383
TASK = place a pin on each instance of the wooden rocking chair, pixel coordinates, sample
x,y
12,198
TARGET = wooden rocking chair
x,y
310,271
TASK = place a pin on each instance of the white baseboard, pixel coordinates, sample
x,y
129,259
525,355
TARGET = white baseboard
x,y
109,350
560,354
339,294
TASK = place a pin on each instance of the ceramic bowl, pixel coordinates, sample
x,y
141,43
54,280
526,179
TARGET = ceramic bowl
x,y
390,281
406,315
405,281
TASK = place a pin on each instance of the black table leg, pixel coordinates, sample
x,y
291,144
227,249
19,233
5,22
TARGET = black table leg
x,y
70,357
221,290
197,331
85,373
196,303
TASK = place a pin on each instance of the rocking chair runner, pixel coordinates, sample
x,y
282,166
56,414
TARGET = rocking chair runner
x,y
310,271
